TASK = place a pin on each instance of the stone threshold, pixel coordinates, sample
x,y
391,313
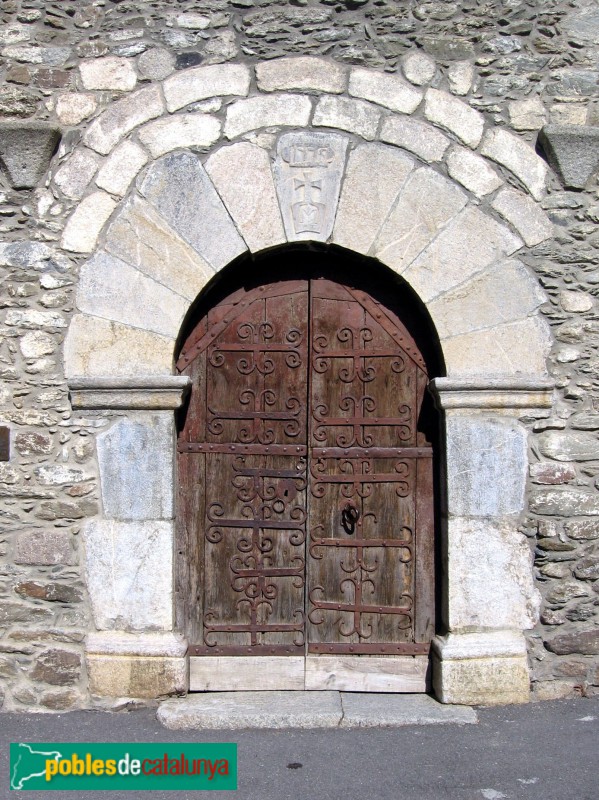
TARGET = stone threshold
x,y
324,709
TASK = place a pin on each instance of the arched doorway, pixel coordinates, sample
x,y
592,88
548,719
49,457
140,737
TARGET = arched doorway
x,y
305,466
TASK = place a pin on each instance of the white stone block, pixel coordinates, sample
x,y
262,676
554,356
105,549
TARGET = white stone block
x,y
135,457
180,190
286,110
472,171
489,575
110,288
307,172
76,172
517,347
121,167
181,130
129,577
419,68
418,137
141,237
454,115
354,116
385,90
527,115
199,83
488,299
301,72
427,202
123,116
254,208
460,75
72,107
99,347
109,72
517,156
365,203
578,302
531,222
85,223
469,244
487,465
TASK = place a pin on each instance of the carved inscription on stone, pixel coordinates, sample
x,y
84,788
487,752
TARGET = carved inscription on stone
x,y
308,171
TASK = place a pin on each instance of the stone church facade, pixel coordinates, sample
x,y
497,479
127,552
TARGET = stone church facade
x,y
151,151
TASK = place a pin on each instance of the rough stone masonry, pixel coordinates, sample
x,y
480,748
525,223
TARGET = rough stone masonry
x,y
527,68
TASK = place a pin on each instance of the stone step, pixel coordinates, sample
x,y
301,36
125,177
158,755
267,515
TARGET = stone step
x,y
236,710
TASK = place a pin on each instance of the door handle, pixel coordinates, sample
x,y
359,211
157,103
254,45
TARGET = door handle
x,y
349,517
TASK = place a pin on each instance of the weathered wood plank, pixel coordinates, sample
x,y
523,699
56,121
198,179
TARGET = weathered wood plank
x,y
241,673
367,674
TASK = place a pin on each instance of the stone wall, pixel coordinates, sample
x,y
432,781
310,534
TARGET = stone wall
x,y
523,65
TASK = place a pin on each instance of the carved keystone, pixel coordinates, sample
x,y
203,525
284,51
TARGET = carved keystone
x,y
572,151
25,151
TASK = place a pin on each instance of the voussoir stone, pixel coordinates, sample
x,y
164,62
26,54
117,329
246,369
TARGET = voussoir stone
x,y
426,203
179,188
364,204
531,222
288,110
418,137
96,347
124,115
109,72
451,113
355,116
180,130
142,238
385,90
110,288
121,167
199,83
76,172
85,223
301,72
472,171
517,156
255,209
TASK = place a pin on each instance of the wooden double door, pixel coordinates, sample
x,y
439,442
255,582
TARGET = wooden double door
x,y
305,508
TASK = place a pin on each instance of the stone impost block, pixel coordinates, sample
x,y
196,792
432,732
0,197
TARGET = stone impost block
x,y
121,117
511,396
365,203
517,156
487,463
355,116
76,172
301,72
110,288
26,149
572,151
255,210
308,170
147,677
467,245
179,188
531,222
121,167
488,299
286,110
199,83
85,223
517,347
489,576
481,668
148,393
418,137
109,72
455,115
135,457
128,569
95,346
426,203
141,237
181,130
472,171
385,90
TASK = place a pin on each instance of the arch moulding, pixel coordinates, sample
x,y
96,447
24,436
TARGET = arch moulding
x,y
302,149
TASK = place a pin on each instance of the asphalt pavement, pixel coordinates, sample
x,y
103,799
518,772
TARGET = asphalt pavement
x,y
541,751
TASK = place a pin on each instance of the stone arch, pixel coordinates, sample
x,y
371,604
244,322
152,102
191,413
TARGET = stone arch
x,y
452,209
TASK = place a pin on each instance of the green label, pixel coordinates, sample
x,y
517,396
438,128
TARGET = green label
x,y
92,765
